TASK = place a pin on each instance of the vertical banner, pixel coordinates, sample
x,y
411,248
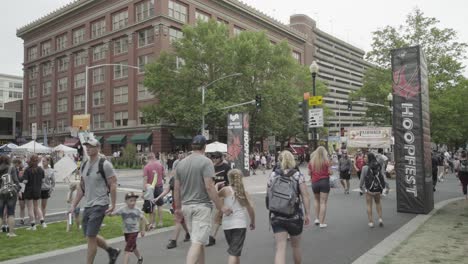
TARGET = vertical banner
x,y
411,124
238,141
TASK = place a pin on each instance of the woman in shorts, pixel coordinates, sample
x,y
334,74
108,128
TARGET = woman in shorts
x,y
319,171
22,204
372,184
283,226
48,185
32,177
9,197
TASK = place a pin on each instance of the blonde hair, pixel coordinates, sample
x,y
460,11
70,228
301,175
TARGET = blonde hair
x,y
319,158
235,181
287,160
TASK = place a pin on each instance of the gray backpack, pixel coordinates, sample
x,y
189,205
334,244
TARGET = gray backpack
x,y
283,195
8,188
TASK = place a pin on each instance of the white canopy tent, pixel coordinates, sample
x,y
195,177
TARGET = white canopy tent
x,y
65,149
33,147
216,146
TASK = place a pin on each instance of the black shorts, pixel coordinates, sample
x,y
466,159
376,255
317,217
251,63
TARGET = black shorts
x,y
148,207
32,195
292,226
345,175
358,173
321,186
235,239
45,194
157,191
92,219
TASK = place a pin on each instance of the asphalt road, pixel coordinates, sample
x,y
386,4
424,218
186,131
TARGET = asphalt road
x,y
346,238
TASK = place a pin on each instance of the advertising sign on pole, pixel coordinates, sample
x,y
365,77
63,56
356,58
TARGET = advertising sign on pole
x,y
315,100
369,137
411,124
238,141
34,131
81,121
315,117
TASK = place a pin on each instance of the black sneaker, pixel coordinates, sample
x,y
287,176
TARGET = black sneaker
x,y
212,242
22,222
172,244
113,255
140,260
4,229
187,237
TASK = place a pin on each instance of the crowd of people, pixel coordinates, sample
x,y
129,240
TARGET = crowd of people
x,y
206,194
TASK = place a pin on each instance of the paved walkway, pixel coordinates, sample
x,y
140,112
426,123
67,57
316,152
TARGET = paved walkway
x,y
346,238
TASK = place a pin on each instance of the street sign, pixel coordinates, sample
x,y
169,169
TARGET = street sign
x,y
315,100
315,117
34,131
81,121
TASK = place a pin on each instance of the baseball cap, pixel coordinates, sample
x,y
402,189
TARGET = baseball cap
x,y
131,195
92,142
199,140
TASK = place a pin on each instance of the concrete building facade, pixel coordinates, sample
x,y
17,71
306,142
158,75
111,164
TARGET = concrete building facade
x,y
58,46
11,89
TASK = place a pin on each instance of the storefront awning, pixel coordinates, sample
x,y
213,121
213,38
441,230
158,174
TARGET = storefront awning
x,y
99,138
71,142
116,139
144,138
181,139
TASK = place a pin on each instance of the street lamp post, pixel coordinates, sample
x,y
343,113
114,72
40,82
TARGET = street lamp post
x,y
87,68
314,68
390,107
203,90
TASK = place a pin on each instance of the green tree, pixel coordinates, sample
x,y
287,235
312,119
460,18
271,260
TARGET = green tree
x,y
208,53
444,55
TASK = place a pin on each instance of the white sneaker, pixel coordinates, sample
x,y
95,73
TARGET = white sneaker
x,y
323,225
44,225
371,225
317,222
32,228
11,235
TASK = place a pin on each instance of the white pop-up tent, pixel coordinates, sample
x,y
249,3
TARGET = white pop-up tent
x,y
216,146
33,147
65,149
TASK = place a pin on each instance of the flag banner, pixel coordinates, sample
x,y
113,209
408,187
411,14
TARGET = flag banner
x,y
369,137
238,142
411,126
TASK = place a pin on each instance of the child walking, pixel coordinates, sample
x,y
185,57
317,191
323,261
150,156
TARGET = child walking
x,y
134,222
235,225
73,189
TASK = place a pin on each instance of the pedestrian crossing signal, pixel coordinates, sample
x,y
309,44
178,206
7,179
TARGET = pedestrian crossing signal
x,y
258,102
350,106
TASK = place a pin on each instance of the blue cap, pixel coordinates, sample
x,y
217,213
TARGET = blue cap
x,y
199,140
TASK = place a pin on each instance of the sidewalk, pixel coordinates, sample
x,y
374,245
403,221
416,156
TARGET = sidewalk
x,y
346,238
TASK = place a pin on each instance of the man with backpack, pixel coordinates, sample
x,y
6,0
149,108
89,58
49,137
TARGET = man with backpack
x,y
462,172
372,184
98,182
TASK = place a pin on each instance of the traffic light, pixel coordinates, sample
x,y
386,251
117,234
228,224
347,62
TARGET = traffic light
x,y
350,106
258,102
303,111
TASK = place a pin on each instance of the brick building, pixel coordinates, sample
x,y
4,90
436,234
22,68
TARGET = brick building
x,y
58,46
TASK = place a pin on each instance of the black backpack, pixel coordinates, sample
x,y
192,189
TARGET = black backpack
x,y
100,171
374,181
463,166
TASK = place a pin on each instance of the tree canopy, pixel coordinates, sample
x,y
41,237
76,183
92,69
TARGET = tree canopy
x,y
207,52
444,55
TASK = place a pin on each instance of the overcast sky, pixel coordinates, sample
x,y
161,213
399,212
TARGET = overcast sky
x,y
352,21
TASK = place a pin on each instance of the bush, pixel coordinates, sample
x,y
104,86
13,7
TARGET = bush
x,y
129,159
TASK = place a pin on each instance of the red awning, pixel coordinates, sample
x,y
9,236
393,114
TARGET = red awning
x,y
298,149
71,142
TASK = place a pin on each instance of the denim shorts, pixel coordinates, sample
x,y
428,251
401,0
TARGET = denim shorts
x,y
198,220
10,204
92,219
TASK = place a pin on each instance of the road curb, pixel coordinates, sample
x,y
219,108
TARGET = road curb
x,y
76,248
378,252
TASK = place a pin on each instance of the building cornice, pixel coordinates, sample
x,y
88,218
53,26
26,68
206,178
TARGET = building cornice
x,y
2,75
77,4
